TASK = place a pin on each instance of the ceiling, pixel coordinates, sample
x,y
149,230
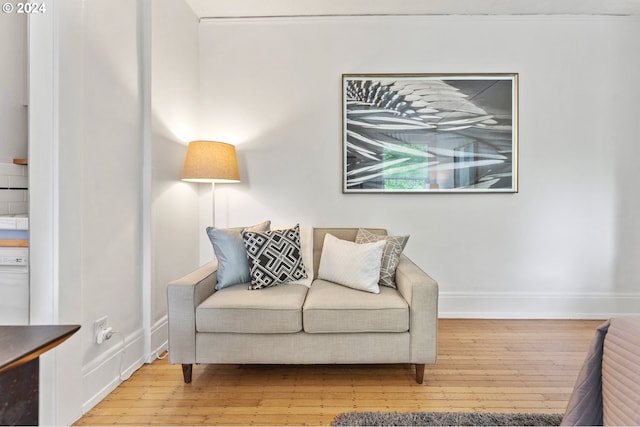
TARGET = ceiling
x,y
283,8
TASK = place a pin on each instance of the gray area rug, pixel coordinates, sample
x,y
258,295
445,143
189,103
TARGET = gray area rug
x,y
444,419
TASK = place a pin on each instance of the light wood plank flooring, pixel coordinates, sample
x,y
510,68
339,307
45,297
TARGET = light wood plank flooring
x,y
483,365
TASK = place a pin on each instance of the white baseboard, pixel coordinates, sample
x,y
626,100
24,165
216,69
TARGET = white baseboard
x,y
531,305
126,355
103,374
159,338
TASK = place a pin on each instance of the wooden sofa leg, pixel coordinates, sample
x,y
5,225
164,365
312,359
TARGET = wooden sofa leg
x,y
419,372
187,370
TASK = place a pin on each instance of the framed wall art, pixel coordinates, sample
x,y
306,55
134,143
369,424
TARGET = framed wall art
x,y
425,133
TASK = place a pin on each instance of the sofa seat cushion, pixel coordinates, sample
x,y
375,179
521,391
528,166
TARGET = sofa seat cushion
x,y
237,309
332,308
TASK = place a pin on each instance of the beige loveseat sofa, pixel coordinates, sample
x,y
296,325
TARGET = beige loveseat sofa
x,y
325,323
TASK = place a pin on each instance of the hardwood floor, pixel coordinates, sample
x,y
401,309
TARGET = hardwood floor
x,y
483,365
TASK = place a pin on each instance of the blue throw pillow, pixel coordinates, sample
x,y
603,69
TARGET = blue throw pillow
x,y
233,265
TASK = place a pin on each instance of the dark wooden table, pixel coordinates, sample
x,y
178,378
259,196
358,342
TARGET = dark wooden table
x,y
20,348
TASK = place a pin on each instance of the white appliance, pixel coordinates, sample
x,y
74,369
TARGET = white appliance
x,y
14,272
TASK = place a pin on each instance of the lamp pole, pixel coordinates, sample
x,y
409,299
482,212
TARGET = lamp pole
x,y
213,204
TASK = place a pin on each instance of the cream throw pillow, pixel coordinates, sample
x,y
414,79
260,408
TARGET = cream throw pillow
x,y
355,265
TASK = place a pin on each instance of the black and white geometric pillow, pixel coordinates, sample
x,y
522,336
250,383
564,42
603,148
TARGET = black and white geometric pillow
x,y
274,257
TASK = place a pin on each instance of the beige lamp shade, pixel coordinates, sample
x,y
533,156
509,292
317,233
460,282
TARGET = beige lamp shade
x,y
210,161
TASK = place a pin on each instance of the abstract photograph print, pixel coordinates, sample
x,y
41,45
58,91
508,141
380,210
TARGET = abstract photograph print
x,y
430,133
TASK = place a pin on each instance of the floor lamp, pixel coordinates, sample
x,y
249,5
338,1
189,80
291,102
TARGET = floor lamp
x,y
210,161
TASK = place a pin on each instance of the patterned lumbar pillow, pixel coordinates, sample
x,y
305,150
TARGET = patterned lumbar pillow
x,y
390,256
351,264
274,257
233,266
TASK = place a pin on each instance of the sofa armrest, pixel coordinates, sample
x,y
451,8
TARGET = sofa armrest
x,y
421,293
183,296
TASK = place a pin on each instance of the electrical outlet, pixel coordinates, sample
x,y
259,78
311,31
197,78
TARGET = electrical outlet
x,y
104,334
98,327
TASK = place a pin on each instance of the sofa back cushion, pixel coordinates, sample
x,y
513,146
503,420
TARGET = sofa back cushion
x,y
340,233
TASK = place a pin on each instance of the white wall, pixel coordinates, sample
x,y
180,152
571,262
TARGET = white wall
x,y
116,208
174,96
110,194
13,87
91,202
85,198
70,141
13,112
562,247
